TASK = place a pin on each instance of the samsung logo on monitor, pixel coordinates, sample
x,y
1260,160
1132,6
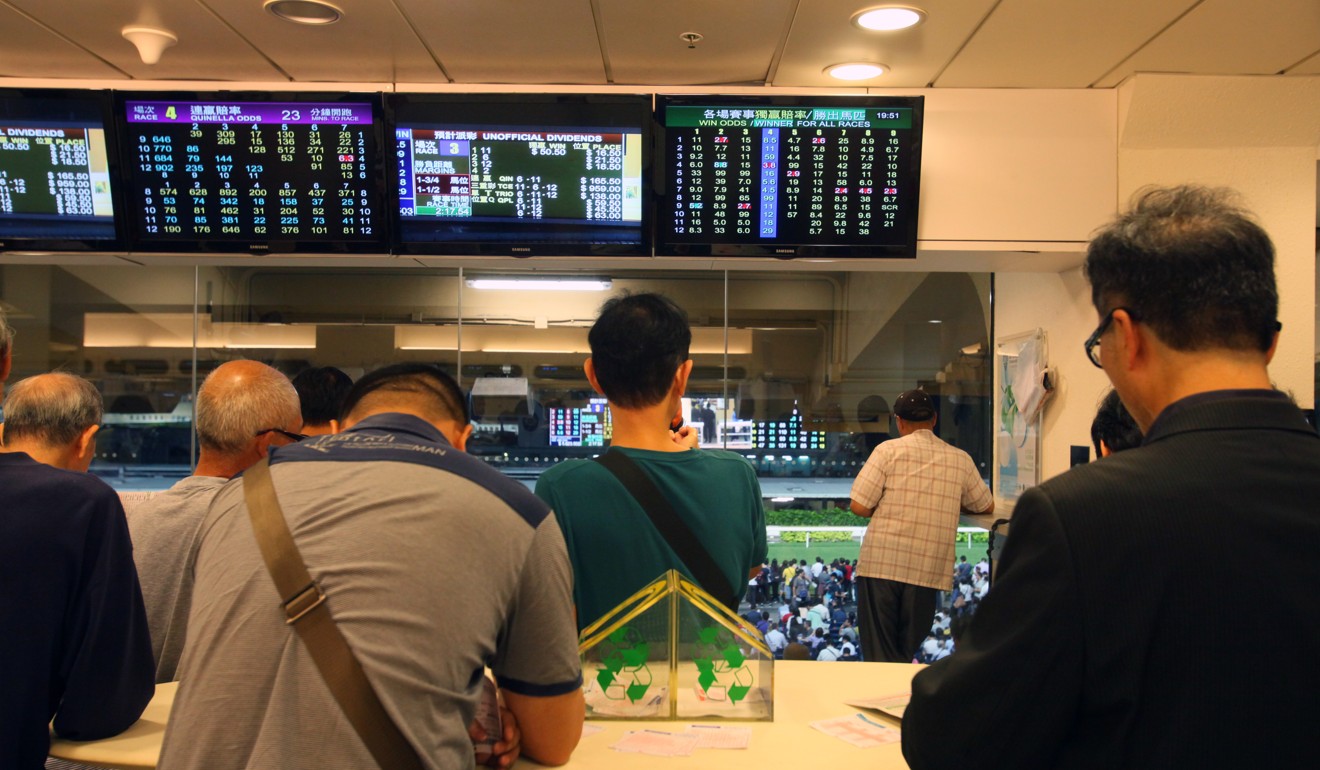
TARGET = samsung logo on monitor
x,y
785,251
521,248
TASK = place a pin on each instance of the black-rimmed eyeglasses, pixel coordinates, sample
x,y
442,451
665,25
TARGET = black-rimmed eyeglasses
x,y
290,435
1092,344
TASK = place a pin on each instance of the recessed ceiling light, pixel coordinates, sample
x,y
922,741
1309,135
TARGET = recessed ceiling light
x,y
304,11
888,18
855,70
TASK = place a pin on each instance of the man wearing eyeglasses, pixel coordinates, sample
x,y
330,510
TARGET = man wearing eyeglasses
x,y
1106,642
244,408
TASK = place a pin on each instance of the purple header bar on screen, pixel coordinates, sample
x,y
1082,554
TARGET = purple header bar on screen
x,y
250,113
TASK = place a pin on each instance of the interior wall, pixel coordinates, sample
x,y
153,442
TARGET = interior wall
x,y
1174,130
1060,304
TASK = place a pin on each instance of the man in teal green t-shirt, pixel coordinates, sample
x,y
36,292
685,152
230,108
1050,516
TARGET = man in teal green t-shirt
x,y
639,362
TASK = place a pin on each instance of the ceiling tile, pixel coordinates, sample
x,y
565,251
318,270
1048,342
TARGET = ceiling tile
x,y
1230,37
371,43
29,51
823,34
509,41
740,40
1049,44
207,49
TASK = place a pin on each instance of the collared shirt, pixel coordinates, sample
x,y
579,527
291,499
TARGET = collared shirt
x,y
433,564
917,485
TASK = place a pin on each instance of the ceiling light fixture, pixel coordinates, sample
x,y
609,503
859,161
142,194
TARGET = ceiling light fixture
x,y
888,18
314,12
518,283
855,70
150,42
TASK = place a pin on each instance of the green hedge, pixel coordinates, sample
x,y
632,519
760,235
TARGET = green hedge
x,y
798,517
979,538
799,536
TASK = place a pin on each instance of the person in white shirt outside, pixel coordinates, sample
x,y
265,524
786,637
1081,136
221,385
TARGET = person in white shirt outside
x,y
776,641
829,652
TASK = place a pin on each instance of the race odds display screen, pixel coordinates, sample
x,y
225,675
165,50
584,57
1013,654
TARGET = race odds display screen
x,y
775,178
54,172
587,179
521,174
252,172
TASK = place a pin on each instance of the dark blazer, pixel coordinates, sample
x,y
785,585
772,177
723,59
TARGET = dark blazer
x,y
1152,609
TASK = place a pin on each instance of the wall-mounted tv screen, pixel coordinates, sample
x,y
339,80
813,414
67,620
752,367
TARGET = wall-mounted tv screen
x,y
788,176
55,171
521,174
249,172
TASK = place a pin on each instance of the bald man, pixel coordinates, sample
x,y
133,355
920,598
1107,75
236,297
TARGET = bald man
x,y
243,409
74,646
391,517
6,351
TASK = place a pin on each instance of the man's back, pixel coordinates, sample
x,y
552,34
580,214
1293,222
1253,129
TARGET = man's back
x,y
74,633
616,550
918,483
1186,555
393,523
165,530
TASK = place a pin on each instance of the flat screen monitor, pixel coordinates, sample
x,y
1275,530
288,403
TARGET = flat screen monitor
x,y
788,176
56,169
521,174
252,172
587,426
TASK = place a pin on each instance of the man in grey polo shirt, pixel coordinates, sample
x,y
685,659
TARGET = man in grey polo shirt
x,y
393,521
244,408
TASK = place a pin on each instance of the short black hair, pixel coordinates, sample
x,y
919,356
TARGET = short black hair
x,y
1191,264
637,344
321,390
1113,424
426,380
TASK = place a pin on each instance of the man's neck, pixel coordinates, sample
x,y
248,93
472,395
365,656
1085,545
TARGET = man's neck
x,y
644,428
1187,374
224,466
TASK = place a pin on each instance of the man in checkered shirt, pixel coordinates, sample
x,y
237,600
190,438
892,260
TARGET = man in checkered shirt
x,y
912,489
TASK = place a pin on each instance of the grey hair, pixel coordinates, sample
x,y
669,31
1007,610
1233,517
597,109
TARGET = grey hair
x,y
229,418
6,333
51,408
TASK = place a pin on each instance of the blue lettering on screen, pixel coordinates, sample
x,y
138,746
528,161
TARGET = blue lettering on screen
x,y
769,182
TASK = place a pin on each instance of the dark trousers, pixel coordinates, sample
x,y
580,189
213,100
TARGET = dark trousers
x,y
893,618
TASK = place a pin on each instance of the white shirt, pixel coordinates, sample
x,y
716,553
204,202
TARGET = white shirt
x,y
775,640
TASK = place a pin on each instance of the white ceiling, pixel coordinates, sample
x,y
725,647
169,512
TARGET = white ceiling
x,y
786,43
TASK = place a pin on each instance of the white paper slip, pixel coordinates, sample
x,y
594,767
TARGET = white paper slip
x,y
656,743
590,729
720,737
858,730
891,705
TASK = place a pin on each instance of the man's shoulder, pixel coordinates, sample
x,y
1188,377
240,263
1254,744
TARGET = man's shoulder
x,y
382,469
57,484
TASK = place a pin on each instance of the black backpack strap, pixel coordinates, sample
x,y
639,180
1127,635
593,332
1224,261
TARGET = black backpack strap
x,y
672,528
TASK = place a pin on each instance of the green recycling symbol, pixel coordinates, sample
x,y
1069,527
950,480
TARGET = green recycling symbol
x,y
623,656
723,664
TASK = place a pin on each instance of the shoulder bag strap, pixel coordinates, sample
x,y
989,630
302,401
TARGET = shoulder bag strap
x,y
305,610
672,528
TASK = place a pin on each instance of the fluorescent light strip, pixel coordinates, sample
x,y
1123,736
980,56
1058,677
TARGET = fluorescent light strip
x,y
541,284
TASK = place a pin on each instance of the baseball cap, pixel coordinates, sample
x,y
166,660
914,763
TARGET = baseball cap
x,y
914,405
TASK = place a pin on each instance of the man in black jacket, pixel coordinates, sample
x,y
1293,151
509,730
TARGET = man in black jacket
x,y
1128,620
